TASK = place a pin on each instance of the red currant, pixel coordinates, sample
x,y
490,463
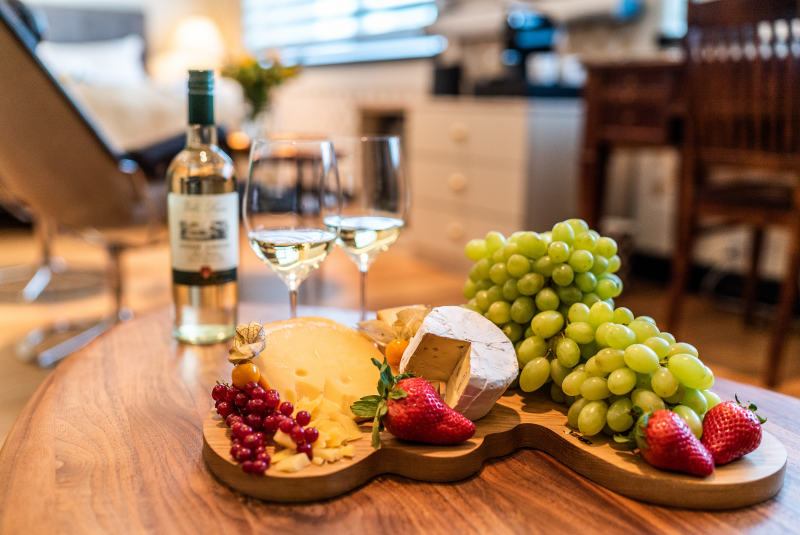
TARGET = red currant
x,y
242,454
232,393
298,434
273,399
258,393
253,420
286,425
236,442
311,435
257,406
225,409
247,467
242,431
271,423
251,441
240,399
219,393
260,465
235,450
304,447
259,450
287,408
232,419
303,418
248,388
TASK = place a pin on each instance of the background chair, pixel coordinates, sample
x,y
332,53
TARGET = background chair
x,y
742,86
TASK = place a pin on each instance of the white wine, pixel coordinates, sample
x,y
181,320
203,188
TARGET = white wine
x,y
365,237
203,213
292,253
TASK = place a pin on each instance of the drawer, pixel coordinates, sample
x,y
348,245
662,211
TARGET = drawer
x,y
470,188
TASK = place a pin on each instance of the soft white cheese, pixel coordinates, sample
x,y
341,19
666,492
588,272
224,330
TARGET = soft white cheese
x,y
468,353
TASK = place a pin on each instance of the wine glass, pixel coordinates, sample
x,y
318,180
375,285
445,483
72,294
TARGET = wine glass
x,y
375,198
292,188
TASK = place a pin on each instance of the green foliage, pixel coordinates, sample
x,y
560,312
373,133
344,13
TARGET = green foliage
x,y
257,80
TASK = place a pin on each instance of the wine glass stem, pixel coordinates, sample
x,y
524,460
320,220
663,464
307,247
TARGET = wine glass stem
x,y
293,298
363,270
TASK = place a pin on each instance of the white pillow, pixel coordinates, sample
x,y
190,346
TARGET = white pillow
x,y
115,62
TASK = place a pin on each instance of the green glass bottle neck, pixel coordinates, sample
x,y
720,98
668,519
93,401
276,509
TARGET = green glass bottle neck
x,y
201,135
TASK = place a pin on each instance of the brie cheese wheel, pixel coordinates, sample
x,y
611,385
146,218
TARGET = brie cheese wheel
x,y
469,354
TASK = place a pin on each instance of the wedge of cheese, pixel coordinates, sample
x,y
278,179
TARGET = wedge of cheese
x,y
309,357
469,354
389,315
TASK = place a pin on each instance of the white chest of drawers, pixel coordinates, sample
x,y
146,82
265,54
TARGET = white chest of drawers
x,y
477,165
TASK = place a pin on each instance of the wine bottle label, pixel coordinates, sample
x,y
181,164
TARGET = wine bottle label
x,y
204,238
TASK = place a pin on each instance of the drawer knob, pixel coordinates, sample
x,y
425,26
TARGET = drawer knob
x,y
459,132
455,230
457,181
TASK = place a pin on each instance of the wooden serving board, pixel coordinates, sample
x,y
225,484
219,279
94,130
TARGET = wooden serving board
x,y
517,421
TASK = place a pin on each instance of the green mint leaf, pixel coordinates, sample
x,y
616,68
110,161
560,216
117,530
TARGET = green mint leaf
x,y
376,363
367,407
404,376
398,393
376,433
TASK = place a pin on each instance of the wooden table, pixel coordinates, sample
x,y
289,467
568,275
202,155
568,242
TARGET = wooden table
x,y
111,443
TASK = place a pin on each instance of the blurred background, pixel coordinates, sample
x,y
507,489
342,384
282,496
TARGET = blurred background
x,y
663,126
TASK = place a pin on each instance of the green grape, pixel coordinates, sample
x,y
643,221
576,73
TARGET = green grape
x,y
687,368
514,238
668,337
558,251
568,353
569,400
592,418
563,232
513,330
658,345
600,334
592,369
482,300
677,397
547,323
595,388
474,276
644,381
563,274
575,410
648,319
530,284
683,349
495,293
619,415
494,241
581,332
620,337
533,347
606,247
469,289
647,400
585,281
581,261
563,309
528,331
544,266
579,226
643,330
498,257
531,245
510,250
589,350
517,345
476,249
664,383
600,264
534,375
499,273
708,380
600,313
614,263
711,398
569,295
510,292
578,313
547,236
585,242
483,284
610,359
499,312
640,358
558,372
691,418
518,265
589,299
621,381
609,302
579,368
472,306
522,309
556,394
572,382
547,299
514,384
483,266
695,401
605,289
623,316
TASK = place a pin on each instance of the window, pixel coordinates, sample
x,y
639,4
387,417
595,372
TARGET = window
x,y
319,32
673,23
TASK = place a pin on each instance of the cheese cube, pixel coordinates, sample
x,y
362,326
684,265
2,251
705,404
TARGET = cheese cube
x,y
294,463
350,428
281,455
308,405
349,451
336,437
319,461
283,439
328,454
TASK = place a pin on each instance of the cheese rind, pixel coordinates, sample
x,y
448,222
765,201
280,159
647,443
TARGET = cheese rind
x,y
304,357
467,352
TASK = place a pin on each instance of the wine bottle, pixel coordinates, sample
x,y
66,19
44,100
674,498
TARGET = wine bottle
x,y
203,213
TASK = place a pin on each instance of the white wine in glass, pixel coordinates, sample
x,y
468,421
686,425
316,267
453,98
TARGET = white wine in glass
x,y
292,189
375,199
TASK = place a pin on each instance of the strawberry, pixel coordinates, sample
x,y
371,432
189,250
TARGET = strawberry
x,y
665,441
731,430
410,408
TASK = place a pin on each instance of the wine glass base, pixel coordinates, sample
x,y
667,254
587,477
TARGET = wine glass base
x,y
42,283
46,346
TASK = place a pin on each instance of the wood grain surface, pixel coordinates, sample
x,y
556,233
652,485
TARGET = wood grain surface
x,y
112,443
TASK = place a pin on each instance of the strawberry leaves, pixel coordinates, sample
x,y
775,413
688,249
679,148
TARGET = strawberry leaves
x,y
376,407
751,407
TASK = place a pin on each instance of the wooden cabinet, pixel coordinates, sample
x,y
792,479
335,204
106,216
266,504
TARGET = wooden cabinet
x,y
477,165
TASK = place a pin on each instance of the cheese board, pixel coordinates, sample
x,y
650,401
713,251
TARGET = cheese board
x,y
518,420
